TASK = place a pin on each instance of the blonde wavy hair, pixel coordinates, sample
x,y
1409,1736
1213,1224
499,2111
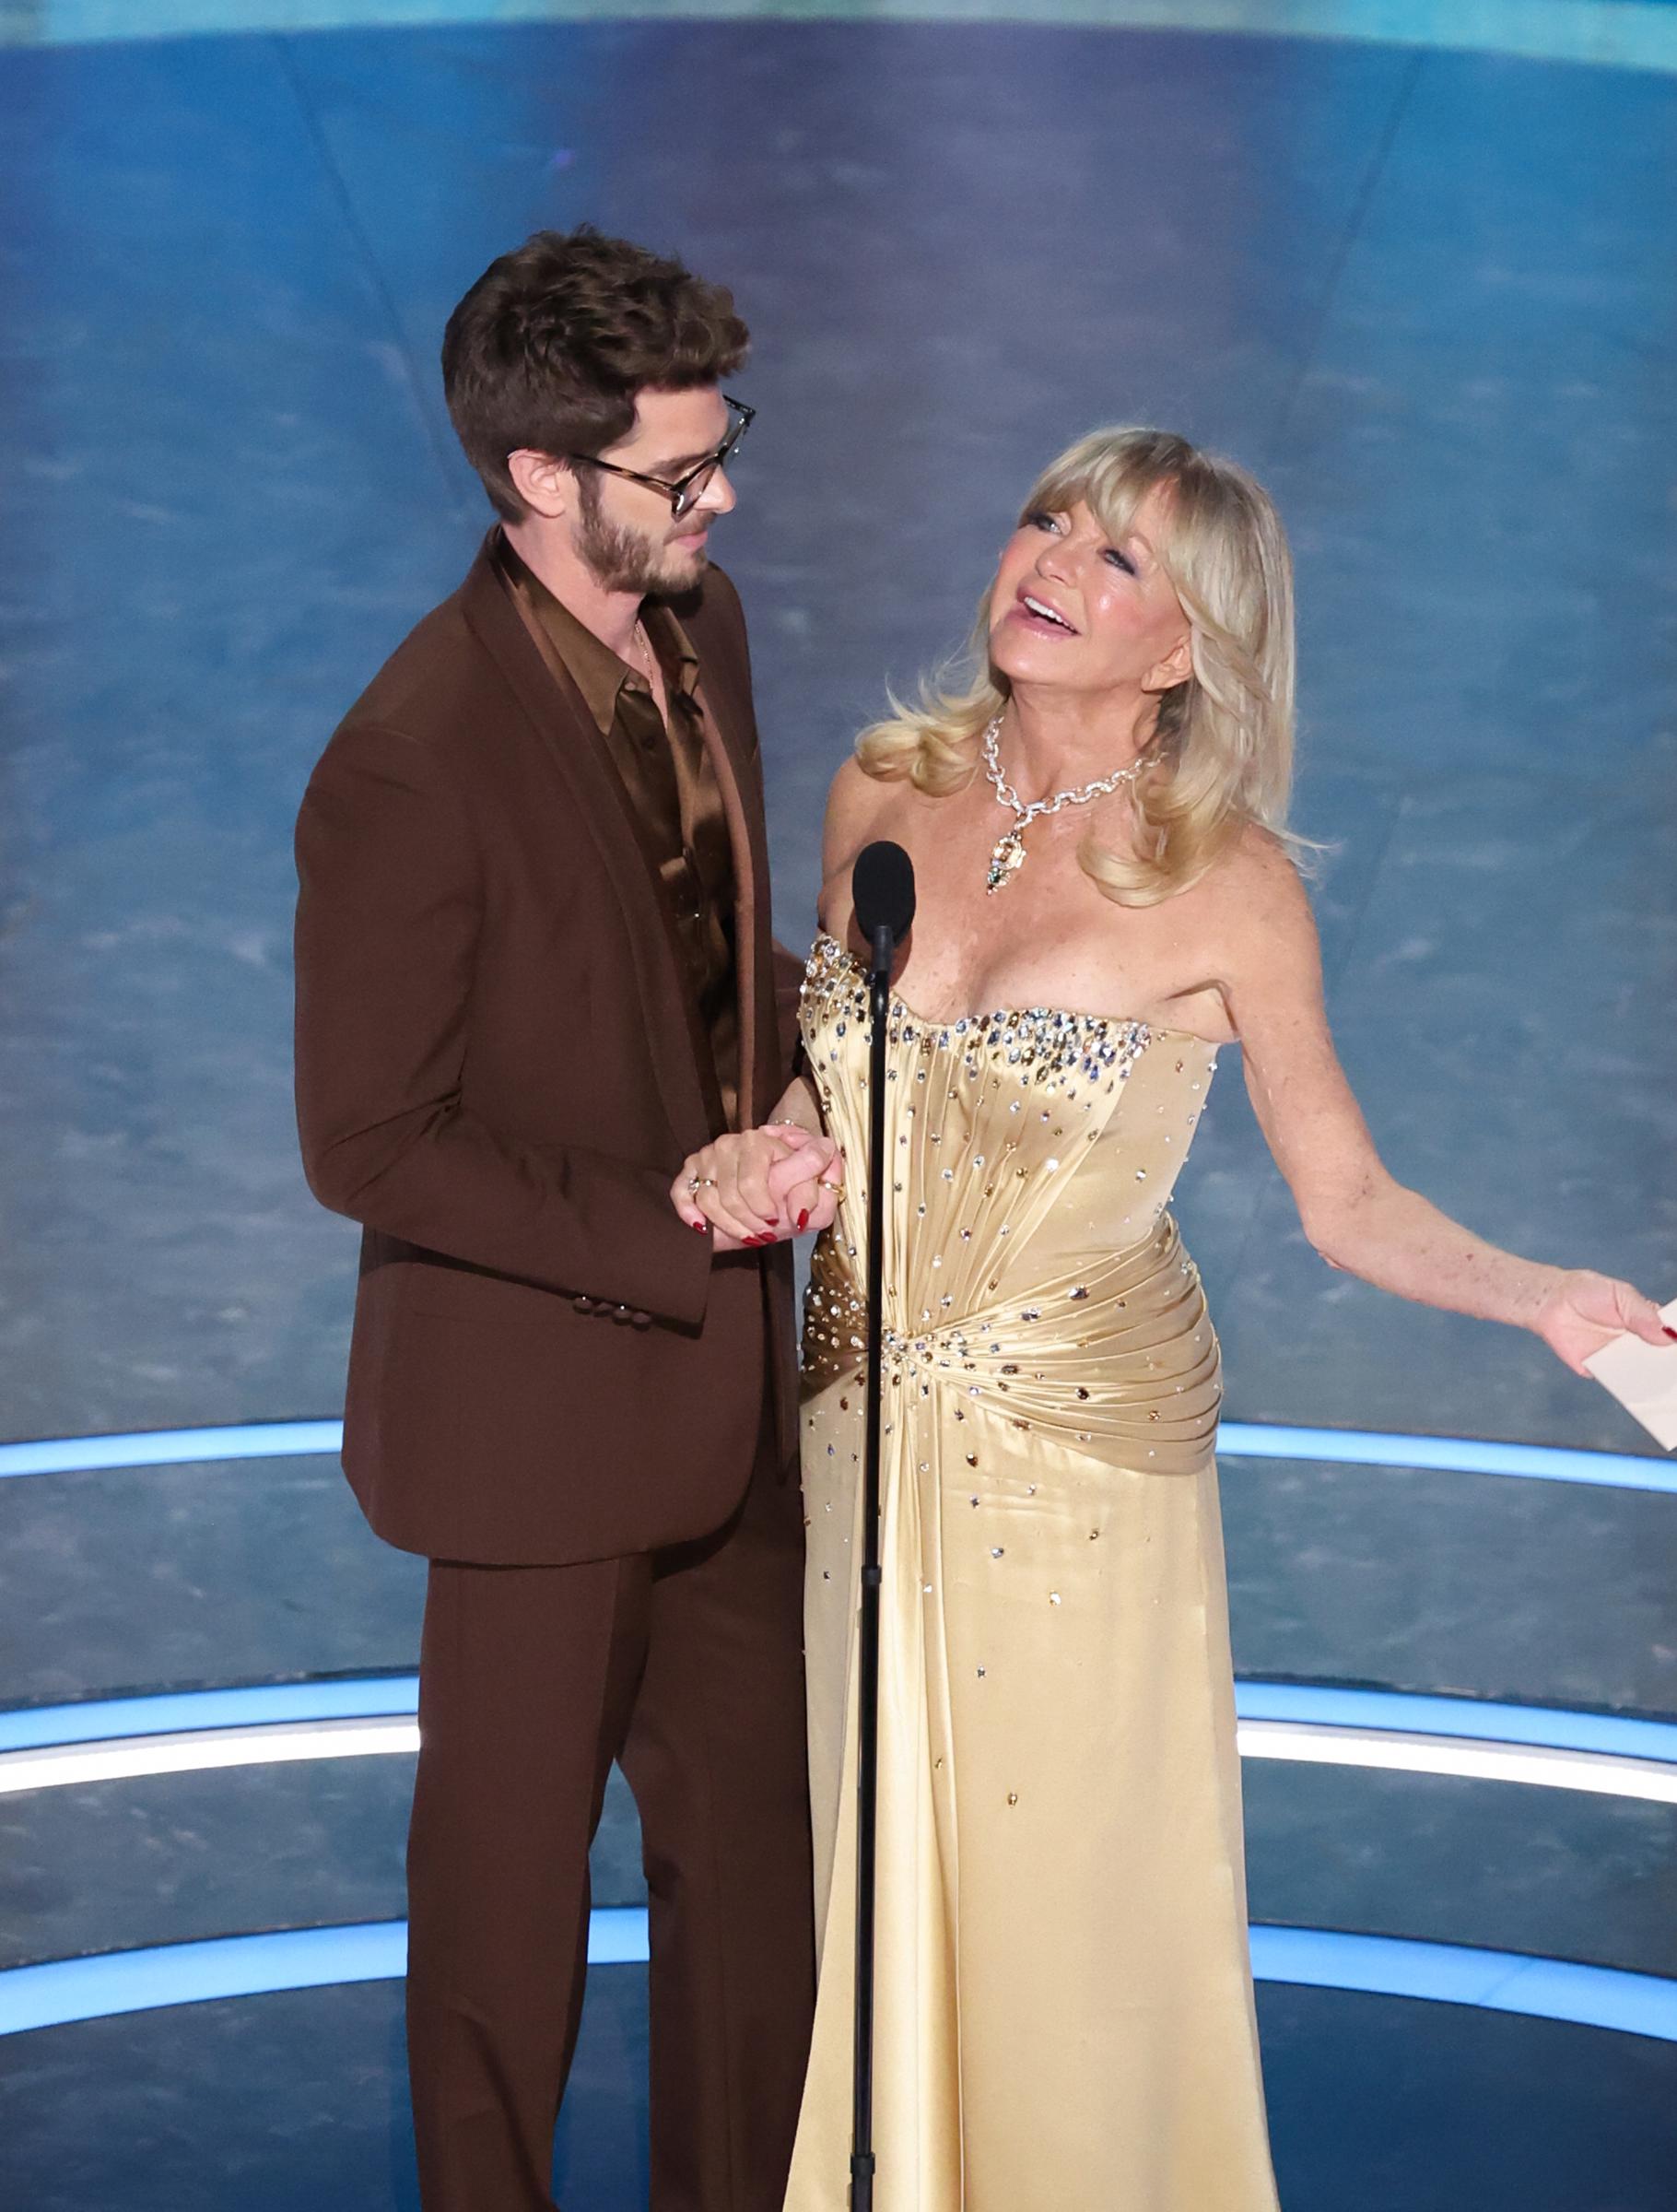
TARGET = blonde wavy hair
x,y
1222,741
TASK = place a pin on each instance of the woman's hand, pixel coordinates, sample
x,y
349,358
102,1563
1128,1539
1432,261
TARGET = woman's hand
x,y
1583,1311
807,1184
758,1188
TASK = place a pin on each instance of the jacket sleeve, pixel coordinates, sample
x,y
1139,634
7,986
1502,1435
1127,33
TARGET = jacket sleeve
x,y
389,910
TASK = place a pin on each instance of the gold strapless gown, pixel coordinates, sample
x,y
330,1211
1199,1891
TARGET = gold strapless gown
x,y
1064,2008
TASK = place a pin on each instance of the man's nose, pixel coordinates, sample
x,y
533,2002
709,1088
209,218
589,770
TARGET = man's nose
x,y
718,495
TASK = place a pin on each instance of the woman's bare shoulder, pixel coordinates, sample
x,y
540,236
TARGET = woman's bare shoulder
x,y
1256,876
856,804
860,805
1260,917
852,792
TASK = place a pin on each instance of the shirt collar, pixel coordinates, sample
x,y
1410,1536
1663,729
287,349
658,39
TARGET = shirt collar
x,y
598,672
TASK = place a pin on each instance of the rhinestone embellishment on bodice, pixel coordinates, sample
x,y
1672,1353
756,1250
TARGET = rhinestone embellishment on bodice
x,y
1045,1044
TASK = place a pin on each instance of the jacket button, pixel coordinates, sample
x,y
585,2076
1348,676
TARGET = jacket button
x,y
642,1321
583,1305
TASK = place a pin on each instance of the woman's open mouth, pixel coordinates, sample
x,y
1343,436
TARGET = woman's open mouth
x,y
1037,614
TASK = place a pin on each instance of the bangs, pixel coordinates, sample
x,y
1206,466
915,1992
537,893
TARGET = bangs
x,y
1111,473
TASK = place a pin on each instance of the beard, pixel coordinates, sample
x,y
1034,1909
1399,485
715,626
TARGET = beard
x,y
620,559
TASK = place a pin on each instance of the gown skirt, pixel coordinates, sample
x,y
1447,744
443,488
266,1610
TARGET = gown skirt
x,y
1064,2017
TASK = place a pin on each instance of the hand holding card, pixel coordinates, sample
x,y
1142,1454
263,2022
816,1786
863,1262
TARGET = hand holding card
x,y
1643,1377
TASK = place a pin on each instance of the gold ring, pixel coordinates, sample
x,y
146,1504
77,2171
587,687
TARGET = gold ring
x,y
701,1183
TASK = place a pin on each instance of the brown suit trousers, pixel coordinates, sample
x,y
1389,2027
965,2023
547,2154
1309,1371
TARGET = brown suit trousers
x,y
683,1665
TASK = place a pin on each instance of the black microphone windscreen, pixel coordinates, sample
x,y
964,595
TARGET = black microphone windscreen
x,y
882,888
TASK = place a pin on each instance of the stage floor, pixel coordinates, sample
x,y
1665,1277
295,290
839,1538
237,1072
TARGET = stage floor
x,y
275,2104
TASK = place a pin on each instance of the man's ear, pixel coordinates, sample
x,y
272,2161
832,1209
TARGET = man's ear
x,y
546,486
1175,668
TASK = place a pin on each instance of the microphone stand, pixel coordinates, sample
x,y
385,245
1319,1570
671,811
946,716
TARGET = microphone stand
x,y
867,1748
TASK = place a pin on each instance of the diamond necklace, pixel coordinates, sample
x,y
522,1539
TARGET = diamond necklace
x,y
1008,857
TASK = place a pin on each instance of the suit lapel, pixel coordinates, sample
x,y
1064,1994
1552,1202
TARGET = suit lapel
x,y
558,712
728,724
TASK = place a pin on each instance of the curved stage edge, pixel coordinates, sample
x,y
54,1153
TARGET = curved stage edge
x,y
1617,34
197,1731
1235,1439
61,1992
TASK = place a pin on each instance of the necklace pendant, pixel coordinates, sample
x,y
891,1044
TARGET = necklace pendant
x,y
1005,861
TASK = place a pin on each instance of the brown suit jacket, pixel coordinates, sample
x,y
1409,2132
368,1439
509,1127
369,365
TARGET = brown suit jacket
x,y
496,1075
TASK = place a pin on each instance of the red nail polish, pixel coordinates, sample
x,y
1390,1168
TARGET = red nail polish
x,y
700,1226
803,1218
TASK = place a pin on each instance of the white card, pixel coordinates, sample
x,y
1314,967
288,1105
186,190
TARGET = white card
x,y
1643,1377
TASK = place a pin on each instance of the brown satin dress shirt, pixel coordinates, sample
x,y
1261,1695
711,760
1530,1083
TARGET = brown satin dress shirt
x,y
673,797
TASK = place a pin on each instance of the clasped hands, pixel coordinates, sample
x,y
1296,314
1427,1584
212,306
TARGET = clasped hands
x,y
759,1188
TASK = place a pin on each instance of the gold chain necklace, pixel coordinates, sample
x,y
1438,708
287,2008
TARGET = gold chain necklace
x,y
1008,857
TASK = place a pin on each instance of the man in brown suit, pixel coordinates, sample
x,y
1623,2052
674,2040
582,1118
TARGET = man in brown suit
x,y
535,973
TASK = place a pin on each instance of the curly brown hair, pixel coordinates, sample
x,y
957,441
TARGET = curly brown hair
x,y
551,344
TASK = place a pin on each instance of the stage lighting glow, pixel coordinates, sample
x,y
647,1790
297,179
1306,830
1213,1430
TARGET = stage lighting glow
x,y
1626,34
170,1447
1235,1439
1449,1455
64,1990
1453,1973
1477,1761
59,1765
172,1713
196,1731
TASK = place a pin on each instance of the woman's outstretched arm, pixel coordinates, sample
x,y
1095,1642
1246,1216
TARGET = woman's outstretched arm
x,y
1355,1214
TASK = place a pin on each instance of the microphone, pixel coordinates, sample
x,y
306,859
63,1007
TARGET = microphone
x,y
881,889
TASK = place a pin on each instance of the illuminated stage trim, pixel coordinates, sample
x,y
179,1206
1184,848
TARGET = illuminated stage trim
x,y
171,1447
1235,1439
1456,1973
1624,34
1474,1739
62,1991
1445,1454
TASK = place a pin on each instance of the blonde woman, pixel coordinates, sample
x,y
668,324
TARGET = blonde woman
x,y
1106,894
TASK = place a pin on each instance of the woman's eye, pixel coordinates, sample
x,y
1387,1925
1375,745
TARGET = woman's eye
x,y
1041,519
1122,559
